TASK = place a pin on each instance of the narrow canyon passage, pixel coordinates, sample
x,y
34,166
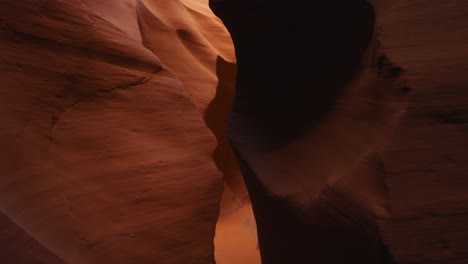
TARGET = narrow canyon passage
x,y
303,185
233,132
298,130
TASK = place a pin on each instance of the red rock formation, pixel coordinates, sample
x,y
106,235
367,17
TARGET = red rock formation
x,y
18,247
105,154
113,119
427,159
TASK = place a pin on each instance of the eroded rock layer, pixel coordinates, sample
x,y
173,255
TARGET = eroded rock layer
x,y
113,119
427,159
105,156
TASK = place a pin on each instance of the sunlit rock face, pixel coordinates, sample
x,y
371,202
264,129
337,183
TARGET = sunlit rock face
x,y
106,157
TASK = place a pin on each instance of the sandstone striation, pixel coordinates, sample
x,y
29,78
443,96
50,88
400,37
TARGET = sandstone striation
x,y
233,131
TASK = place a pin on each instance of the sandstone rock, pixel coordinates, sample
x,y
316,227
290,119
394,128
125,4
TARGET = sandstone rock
x,y
105,154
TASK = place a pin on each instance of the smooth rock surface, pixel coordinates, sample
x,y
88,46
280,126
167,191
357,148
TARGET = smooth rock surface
x,y
105,156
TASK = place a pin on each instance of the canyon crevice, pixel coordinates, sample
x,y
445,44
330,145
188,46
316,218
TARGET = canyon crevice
x,y
233,131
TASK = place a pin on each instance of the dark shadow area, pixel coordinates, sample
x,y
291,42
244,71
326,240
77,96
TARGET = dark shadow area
x,y
20,248
334,231
293,61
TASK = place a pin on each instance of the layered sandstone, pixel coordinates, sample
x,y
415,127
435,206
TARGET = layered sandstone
x,y
106,157
346,120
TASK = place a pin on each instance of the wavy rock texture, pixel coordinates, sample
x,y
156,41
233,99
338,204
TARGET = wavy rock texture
x,y
105,156
113,119
427,160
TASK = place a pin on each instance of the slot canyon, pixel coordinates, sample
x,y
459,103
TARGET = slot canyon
x,y
233,132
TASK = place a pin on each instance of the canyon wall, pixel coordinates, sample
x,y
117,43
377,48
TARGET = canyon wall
x,y
339,173
106,157
348,127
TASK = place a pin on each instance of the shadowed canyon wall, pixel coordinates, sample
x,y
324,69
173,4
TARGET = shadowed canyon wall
x,y
338,132
303,185
307,121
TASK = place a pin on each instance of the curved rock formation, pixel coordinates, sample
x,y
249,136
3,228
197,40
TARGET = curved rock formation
x,y
314,146
106,157
113,118
310,116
